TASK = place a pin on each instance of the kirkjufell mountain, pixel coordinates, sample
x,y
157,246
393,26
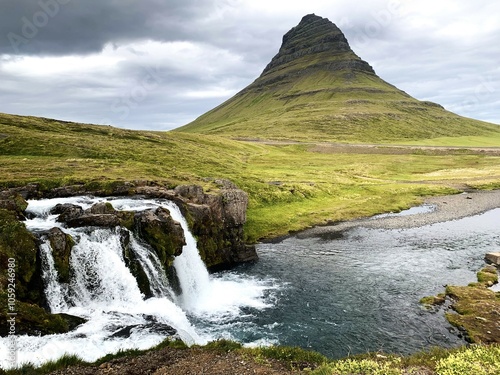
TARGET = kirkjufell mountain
x,y
317,88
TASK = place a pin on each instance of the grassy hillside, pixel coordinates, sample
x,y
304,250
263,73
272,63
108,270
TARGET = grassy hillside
x,y
317,89
290,186
330,107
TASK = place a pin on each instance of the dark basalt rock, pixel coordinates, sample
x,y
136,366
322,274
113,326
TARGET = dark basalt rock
x,y
94,220
99,215
134,265
216,220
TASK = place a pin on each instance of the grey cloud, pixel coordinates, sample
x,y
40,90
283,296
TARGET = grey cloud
x,y
57,27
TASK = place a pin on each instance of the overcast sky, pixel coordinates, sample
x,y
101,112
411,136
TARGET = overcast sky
x,y
158,64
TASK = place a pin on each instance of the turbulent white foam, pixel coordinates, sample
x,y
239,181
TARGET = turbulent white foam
x,y
103,291
226,296
42,207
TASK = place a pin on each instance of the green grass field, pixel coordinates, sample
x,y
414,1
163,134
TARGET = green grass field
x,y
291,187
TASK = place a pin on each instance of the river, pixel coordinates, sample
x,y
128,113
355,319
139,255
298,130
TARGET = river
x,y
342,293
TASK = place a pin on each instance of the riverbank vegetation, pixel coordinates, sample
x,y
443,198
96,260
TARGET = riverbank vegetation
x,y
475,309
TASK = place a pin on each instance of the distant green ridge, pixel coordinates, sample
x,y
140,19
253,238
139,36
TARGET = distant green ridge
x,y
317,88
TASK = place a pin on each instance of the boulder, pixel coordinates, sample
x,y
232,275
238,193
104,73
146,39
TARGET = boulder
x,y
99,215
161,232
101,208
67,212
124,218
94,220
493,258
12,201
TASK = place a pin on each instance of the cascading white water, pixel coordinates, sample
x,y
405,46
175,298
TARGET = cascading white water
x,y
100,274
54,291
103,290
191,271
151,265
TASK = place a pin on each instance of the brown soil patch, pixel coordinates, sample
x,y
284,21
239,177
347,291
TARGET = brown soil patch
x,y
169,361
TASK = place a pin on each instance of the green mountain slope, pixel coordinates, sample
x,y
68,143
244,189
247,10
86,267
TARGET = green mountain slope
x,y
317,88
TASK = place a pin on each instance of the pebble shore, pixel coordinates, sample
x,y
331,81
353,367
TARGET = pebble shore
x,y
445,208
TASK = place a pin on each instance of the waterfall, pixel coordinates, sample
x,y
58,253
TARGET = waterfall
x,y
152,267
54,291
191,271
100,276
103,290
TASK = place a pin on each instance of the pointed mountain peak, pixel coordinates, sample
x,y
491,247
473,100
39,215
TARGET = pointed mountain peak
x,y
317,88
320,39
313,28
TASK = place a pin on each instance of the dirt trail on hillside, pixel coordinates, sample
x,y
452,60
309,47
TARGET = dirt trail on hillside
x,y
384,149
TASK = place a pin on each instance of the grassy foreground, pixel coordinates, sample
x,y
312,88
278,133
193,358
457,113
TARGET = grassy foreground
x,y
476,360
291,187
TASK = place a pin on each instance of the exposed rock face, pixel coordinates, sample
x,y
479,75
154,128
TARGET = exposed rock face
x,y
61,244
315,35
216,220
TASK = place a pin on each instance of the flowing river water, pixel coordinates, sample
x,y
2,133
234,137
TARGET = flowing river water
x,y
339,294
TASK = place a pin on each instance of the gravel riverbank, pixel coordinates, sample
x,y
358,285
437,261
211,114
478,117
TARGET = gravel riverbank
x,y
440,209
